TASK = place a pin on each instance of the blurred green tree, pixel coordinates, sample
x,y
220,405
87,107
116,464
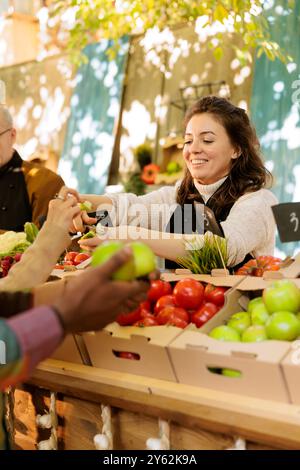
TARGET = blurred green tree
x,y
86,21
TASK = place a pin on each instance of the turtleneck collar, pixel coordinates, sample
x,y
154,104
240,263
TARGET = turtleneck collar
x,y
207,190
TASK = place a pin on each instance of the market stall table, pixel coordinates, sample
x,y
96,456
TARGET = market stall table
x,y
199,418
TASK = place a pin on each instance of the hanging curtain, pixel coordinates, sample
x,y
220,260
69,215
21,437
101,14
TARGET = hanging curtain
x,y
275,107
95,106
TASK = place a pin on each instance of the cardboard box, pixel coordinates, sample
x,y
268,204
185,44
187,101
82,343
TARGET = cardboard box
x,y
219,277
291,370
73,350
149,343
194,354
291,366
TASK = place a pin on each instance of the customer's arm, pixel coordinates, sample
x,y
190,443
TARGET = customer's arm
x,y
89,302
39,259
25,340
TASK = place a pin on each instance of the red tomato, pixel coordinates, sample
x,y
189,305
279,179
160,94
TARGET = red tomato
x,y
169,313
188,293
268,261
145,305
257,267
157,289
70,256
128,355
164,301
145,313
80,258
146,321
176,321
58,266
207,311
273,267
215,294
125,319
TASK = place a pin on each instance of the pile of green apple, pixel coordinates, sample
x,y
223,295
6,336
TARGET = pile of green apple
x,y
274,316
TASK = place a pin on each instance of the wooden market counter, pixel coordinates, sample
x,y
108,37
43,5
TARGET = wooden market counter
x,y
199,418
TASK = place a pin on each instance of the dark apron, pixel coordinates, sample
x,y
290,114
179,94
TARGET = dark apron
x,y
15,207
197,217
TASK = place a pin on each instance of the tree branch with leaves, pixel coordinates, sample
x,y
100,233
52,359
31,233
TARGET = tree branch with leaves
x,y
84,21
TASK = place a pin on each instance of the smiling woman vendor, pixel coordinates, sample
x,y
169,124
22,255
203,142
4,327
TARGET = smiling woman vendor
x,y
224,172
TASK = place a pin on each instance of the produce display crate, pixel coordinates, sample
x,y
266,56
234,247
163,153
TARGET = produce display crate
x,y
219,277
291,362
291,370
149,343
72,349
196,356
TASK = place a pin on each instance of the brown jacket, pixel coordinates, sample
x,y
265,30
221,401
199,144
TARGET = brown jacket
x,y
42,185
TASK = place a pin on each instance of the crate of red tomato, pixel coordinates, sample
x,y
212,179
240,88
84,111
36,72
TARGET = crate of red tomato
x,y
137,342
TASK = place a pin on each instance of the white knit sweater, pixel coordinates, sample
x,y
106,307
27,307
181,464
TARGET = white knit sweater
x,y
249,227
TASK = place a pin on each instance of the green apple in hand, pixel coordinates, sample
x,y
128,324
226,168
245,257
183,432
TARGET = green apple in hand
x,y
283,295
224,333
144,259
259,315
141,263
254,334
239,321
105,251
283,326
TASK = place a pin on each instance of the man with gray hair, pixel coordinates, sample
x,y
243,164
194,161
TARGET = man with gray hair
x,y
25,188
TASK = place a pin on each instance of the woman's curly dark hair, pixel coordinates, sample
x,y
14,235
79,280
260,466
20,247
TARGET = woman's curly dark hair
x,y
247,172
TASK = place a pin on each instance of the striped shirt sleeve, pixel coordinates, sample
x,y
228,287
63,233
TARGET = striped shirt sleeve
x,y
25,340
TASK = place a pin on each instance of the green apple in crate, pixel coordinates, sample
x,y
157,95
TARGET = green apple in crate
x,y
254,303
282,295
284,326
254,334
239,321
259,314
225,333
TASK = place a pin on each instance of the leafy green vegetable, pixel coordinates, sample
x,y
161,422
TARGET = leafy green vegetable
x,y
204,254
19,248
31,231
85,206
90,234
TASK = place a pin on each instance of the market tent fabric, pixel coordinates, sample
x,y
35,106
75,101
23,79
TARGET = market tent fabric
x,y
275,107
95,105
